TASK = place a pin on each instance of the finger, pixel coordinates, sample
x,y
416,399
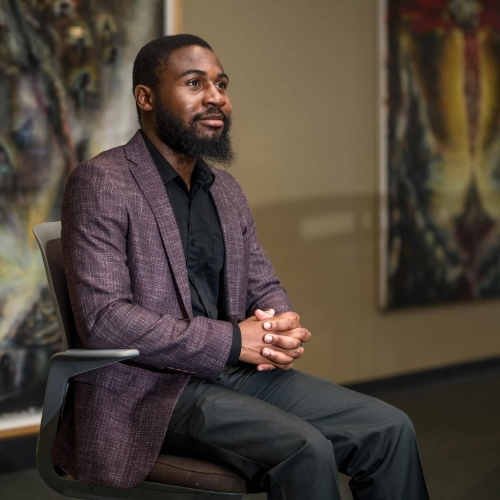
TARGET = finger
x,y
303,334
292,353
276,357
265,368
290,314
276,365
262,315
280,356
281,324
283,341
300,334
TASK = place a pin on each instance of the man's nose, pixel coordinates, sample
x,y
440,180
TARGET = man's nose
x,y
213,97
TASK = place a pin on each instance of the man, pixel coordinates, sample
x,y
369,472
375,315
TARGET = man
x,y
162,255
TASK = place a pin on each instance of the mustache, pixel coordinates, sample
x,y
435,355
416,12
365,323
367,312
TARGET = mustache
x,y
219,114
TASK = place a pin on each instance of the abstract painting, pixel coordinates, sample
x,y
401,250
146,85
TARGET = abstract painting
x,y
65,95
440,156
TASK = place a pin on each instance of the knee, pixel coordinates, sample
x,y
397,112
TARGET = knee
x,y
316,446
398,423
402,421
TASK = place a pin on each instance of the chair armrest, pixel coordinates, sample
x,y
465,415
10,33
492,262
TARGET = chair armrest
x,y
112,355
63,366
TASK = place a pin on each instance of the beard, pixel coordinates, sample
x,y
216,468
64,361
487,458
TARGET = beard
x,y
184,138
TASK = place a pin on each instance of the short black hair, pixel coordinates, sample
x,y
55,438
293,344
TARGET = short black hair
x,y
153,58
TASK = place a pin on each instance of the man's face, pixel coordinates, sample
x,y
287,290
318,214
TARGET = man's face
x,y
192,108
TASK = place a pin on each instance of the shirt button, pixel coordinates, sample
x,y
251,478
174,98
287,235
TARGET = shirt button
x,y
193,241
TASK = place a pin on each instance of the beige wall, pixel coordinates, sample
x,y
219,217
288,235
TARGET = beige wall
x,y
303,85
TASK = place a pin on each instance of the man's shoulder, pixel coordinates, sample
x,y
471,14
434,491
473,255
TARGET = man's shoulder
x,y
110,163
110,158
113,161
97,171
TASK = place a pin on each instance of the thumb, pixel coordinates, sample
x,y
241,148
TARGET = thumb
x,y
261,315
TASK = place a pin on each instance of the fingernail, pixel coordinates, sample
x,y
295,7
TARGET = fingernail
x,y
266,352
268,338
272,311
259,369
267,325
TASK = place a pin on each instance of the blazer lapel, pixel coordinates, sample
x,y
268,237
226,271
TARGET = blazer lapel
x,y
233,244
147,177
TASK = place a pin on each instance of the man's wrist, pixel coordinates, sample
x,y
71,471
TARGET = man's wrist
x,y
234,353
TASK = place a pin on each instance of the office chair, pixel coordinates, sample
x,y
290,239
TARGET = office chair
x,y
172,478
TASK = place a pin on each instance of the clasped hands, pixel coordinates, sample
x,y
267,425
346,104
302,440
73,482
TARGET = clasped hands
x,y
270,341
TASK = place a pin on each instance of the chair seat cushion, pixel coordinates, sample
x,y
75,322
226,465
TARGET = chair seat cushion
x,y
192,473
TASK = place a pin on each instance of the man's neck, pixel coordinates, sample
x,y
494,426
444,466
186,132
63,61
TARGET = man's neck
x,y
183,164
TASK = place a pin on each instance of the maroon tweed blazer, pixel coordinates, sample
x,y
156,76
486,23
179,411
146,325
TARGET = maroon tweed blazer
x,y
129,288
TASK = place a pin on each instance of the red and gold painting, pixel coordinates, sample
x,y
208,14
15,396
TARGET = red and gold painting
x,y
440,151
65,95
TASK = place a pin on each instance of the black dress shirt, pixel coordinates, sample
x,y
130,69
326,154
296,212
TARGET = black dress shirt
x,y
201,237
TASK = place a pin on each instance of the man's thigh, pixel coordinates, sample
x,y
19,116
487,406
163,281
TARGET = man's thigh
x,y
214,422
293,427
279,405
357,425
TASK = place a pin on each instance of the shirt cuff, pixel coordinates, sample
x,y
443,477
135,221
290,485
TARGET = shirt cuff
x,y
234,353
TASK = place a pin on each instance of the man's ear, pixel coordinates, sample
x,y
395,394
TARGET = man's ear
x,y
144,97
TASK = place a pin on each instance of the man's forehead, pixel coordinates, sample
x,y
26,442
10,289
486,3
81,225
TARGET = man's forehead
x,y
193,57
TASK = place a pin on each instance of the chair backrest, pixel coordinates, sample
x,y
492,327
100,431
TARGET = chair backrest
x,y
48,236
63,366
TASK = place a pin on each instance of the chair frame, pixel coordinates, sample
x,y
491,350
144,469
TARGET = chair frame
x,y
67,364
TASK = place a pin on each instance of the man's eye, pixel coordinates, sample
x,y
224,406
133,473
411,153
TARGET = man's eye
x,y
193,83
222,85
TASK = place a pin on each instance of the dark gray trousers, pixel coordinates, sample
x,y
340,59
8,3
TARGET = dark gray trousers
x,y
289,432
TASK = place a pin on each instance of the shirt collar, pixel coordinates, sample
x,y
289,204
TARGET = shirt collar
x,y
201,173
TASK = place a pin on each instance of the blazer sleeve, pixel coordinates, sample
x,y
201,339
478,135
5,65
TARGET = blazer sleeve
x,y
94,238
264,290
